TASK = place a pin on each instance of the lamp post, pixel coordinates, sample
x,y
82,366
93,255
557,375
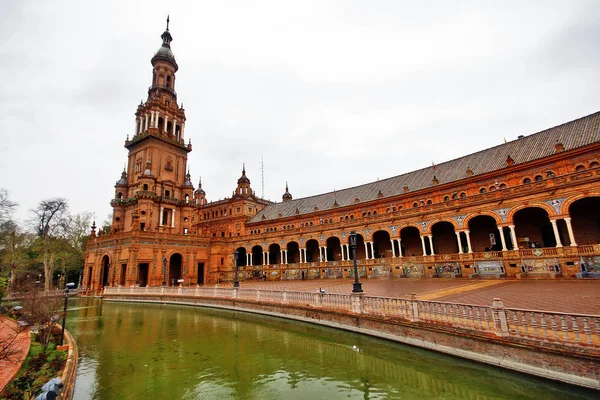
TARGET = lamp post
x,y
236,282
356,286
164,282
62,333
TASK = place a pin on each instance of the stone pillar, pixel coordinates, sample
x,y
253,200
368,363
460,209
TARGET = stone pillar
x,y
342,249
141,125
174,126
165,127
173,218
135,131
459,242
500,320
156,119
146,123
570,230
372,250
513,236
320,253
286,256
430,237
423,244
556,235
160,222
400,248
502,239
366,251
468,235
393,248
151,119
182,127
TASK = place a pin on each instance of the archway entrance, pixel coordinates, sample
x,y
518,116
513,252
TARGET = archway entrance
x,y
257,255
334,249
485,234
585,220
242,257
382,245
142,279
293,253
533,228
174,269
444,239
312,251
274,254
105,271
410,241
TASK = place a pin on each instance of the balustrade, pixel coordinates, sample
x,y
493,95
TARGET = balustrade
x,y
512,323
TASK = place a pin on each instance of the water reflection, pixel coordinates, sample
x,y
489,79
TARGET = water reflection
x,y
140,351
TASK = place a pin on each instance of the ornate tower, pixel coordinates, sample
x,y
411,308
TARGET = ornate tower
x,y
155,191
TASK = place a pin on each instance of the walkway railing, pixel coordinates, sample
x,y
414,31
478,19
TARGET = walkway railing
x,y
497,320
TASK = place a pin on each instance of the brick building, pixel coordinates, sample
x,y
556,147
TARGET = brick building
x,y
528,208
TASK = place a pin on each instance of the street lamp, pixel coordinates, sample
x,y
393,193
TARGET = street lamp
x,y
236,282
356,286
164,283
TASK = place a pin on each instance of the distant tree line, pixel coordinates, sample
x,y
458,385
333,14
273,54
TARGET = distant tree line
x,y
47,249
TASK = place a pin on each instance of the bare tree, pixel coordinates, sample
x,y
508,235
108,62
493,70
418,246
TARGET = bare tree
x,y
7,207
50,218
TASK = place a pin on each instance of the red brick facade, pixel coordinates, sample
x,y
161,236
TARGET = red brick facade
x,y
527,209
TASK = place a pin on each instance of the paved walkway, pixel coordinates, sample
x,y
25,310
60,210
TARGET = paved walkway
x,y
582,297
11,360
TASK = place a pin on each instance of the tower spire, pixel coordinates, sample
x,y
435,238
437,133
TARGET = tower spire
x,y
166,36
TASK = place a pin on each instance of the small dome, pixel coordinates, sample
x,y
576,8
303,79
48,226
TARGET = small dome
x,y
165,52
199,191
287,196
243,178
123,180
188,182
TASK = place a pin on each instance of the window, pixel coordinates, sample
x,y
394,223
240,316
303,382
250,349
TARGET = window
x,y
415,204
463,195
167,193
526,181
454,196
447,198
539,178
594,164
429,201
579,168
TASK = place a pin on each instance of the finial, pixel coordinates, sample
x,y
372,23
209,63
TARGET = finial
x,y
200,182
167,21
244,168
286,186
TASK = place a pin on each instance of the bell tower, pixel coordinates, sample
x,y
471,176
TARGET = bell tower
x,y
158,190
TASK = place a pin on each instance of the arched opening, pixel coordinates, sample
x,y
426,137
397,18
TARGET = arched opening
x,y
169,81
105,271
242,260
360,248
585,220
120,196
145,186
169,128
485,235
178,132
187,198
312,251
174,269
410,240
161,124
533,228
444,238
274,254
382,246
154,79
293,255
334,249
257,255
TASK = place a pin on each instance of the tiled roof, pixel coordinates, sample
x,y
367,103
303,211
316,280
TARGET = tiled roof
x,y
572,135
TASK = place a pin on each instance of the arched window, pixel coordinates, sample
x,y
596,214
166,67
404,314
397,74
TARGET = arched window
x,y
187,198
120,196
539,178
454,195
492,188
429,201
579,168
594,164
446,198
352,216
169,81
550,174
463,195
415,204
331,220
526,180
503,186
145,186
364,214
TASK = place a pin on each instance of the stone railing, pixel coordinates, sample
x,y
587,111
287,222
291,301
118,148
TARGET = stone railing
x,y
507,323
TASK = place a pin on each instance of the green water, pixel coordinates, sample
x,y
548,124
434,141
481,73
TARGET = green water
x,y
147,351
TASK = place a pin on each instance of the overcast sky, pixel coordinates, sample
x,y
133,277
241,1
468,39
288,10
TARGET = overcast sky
x,y
331,94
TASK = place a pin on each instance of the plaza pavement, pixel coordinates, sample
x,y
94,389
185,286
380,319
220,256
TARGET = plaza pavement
x,y
581,296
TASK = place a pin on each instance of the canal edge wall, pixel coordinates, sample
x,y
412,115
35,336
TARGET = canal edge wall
x,y
69,374
581,368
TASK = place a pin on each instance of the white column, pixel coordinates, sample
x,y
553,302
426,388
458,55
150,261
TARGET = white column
x,y
182,126
160,222
366,251
423,244
281,257
372,250
141,125
325,253
146,123
459,242
173,218
468,235
166,118
393,248
431,244
399,247
303,253
556,235
501,230
342,248
174,126
135,131
286,254
251,259
152,123
156,119
513,236
320,253
570,230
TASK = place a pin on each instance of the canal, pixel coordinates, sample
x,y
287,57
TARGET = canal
x,y
153,351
